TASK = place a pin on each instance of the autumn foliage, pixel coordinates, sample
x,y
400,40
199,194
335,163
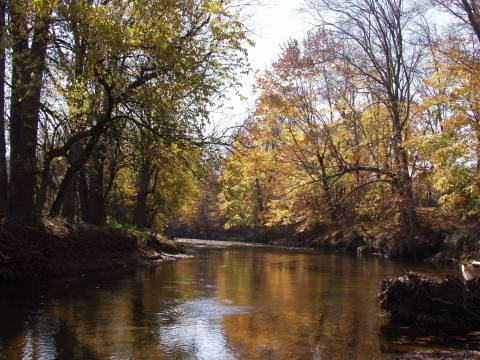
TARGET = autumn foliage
x,y
367,119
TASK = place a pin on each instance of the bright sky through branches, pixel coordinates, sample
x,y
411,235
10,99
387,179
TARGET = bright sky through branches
x,y
273,23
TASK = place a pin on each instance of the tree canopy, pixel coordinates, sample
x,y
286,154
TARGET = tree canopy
x,y
109,90
371,116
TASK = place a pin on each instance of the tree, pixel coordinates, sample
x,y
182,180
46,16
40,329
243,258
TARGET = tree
x,y
82,71
379,45
3,150
190,59
30,37
467,11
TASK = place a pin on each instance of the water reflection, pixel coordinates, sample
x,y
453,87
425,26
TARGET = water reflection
x,y
197,325
249,303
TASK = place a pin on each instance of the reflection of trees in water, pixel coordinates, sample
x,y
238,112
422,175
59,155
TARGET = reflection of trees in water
x,y
14,317
39,336
68,347
247,303
307,305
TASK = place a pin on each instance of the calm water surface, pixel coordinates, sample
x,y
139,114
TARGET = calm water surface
x,y
235,303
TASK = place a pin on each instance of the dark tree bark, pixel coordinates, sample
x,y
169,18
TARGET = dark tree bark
x,y
72,172
140,212
41,195
478,149
403,182
473,14
467,11
69,202
3,153
332,209
97,213
83,195
28,65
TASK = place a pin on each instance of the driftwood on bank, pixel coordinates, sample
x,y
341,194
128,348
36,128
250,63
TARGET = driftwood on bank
x,y
446,306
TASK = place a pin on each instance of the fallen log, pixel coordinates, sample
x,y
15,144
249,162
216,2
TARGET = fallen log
x,y
446,306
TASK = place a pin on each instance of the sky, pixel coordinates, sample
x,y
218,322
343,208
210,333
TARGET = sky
x,y
273,22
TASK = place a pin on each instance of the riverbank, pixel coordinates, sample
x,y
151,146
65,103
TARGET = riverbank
x,y
28,253
446,306
441,238
438,355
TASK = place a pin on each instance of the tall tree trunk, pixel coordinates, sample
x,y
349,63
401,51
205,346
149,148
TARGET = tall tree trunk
x,y
259,209
41,196
3,152
473,16
403,186
72,171
85,154
327,189
356,137
69,202
140,213
70,191
27,72
83,195
97,213
478,148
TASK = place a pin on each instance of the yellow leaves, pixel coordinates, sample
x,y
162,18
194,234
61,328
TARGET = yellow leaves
x,y
371,203
125,181
279,214
453,104
174,148
215,6
311,112
451,202
44,8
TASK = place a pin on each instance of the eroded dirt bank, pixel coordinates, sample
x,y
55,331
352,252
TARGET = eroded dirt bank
x,y
444,306
28,253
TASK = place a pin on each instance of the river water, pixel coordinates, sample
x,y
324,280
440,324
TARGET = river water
x,y
230,303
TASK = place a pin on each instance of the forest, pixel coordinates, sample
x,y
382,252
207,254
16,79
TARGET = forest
x,y
338,217
369,124
106,104
370,121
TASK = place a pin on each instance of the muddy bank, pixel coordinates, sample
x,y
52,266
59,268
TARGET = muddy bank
x,y
157,249
28,253
446,306
440,355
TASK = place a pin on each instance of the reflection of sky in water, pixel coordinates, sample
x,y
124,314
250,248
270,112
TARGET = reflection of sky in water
x,y
196,326
39,344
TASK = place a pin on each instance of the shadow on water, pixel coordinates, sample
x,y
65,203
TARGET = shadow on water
x,y
27,331
397,338
15,314
68,347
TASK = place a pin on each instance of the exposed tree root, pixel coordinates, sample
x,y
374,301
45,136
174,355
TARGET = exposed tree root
x,y
446,306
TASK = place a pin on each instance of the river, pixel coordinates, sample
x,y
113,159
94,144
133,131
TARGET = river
x,y
238,302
